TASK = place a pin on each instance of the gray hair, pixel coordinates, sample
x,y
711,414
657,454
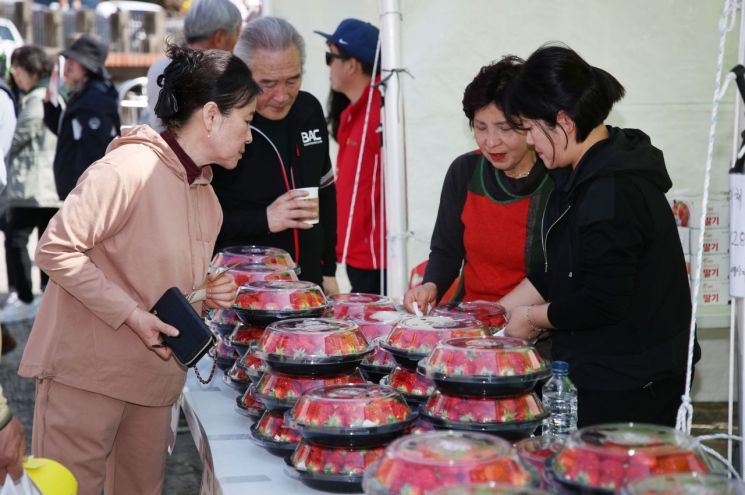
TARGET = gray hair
x,y
268,33
206,17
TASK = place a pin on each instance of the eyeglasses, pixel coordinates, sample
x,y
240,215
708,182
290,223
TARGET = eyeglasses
x,y
331,56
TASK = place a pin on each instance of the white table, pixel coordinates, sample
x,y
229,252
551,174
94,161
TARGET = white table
x,y
233,465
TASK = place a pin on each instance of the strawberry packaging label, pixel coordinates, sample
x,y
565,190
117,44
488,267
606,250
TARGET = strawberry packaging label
x,y
484,410
334,461
351,407
244,273
278,390
304,340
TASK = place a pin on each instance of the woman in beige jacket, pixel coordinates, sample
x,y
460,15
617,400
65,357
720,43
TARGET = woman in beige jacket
x,y
142,219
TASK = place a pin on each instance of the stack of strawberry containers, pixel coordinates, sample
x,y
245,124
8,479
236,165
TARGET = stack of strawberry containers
x,y
244,263
411,340
376,316
345,428
485,385
302,354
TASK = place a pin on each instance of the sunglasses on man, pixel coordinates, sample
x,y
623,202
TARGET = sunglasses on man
x,y
331,56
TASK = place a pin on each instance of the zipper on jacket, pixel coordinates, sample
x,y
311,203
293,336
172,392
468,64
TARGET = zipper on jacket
x,y
544,239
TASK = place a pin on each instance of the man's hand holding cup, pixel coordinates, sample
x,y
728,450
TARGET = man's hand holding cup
x,y
295,209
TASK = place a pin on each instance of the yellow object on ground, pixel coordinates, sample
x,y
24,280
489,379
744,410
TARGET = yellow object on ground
x,y
50,477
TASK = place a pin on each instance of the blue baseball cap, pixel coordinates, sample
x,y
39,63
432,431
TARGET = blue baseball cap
x,y
356,37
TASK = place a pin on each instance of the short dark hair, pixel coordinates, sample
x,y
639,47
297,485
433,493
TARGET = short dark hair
x,y
490,85
556,78
33,60
194,78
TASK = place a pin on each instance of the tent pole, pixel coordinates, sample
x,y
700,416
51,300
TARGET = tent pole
x,y
393,148
739,302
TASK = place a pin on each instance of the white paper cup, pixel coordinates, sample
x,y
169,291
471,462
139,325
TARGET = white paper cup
x,y
312,194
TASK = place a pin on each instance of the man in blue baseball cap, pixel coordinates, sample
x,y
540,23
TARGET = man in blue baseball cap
x,y
354,120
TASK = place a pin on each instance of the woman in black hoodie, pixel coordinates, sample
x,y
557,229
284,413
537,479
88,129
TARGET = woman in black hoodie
x,y
613,291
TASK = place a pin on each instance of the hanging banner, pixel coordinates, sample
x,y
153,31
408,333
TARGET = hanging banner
x,y
736,235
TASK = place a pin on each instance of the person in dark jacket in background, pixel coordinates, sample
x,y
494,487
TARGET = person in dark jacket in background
x,y
91,118
290,150
613,290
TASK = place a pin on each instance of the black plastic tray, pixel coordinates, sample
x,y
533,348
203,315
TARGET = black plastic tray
x,y
274,404
404,359
564,487
254,414
374,373
235,385
331,365
354,437
279,449
264,317
224,329
486,386
224,363
337,483
512,431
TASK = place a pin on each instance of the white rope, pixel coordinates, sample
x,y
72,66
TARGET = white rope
x,y
726,23
345,251
726,462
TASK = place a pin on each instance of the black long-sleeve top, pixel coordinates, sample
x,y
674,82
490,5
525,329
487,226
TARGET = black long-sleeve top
x,y
301,140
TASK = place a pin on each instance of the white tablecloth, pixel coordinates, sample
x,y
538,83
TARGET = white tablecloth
x,y
233,465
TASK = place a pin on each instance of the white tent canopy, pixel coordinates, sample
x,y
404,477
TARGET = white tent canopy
x,y
663,52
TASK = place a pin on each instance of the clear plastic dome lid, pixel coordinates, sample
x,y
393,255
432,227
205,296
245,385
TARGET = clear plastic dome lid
x,y
685,484
279,296
380,358
251,364
238,374
252,254
272,426
420,334
351,406
223,317
244,273
490,314
441,459
354,306
456,410
379,323
334,461
249,402
632,450
223,350
284,390
311,340
469,359
245,335
487,489
410,382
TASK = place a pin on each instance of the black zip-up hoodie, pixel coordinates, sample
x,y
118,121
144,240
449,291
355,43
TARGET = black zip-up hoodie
x,y
246,191
614,271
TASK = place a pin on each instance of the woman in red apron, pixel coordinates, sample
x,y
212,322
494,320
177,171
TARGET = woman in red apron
x,y
489,218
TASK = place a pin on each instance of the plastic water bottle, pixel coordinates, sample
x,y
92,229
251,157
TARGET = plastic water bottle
x,y
560,401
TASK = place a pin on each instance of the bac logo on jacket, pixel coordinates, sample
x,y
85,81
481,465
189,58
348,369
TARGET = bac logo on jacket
x,y
311,137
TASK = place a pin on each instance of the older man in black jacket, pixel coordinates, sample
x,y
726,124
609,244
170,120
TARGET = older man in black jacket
x,y
290,150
